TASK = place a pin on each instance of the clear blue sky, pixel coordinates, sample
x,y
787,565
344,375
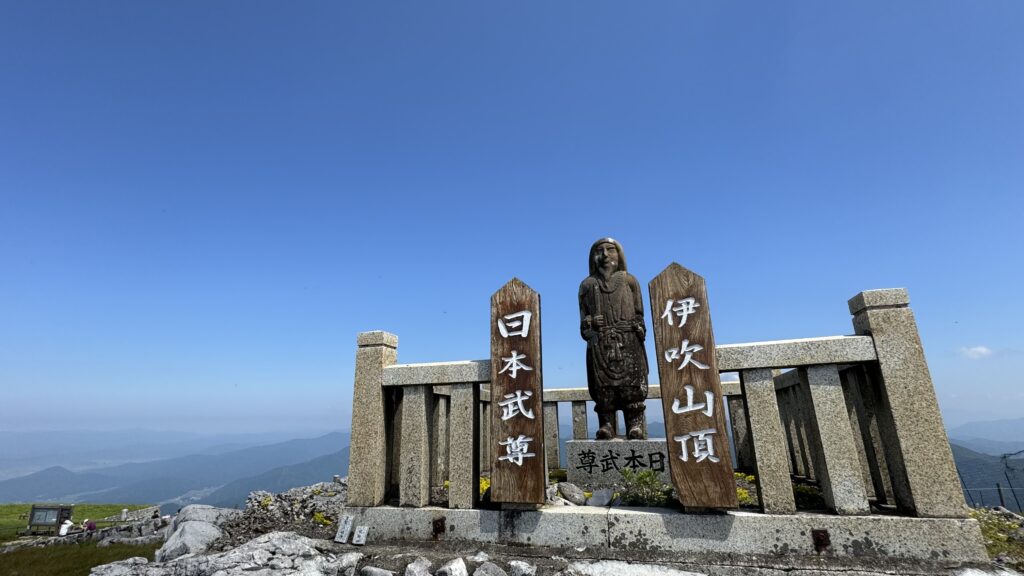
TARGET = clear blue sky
x,y
202,203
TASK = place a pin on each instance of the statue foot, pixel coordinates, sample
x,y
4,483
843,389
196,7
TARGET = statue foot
x,y
636,433
605,433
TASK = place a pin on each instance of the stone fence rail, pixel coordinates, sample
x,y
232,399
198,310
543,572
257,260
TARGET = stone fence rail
x,y
857,415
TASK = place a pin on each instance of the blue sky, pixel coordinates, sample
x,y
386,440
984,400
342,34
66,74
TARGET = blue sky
x,y
202,203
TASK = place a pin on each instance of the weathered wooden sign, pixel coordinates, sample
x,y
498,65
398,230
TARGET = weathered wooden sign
x,y
518,472
691,392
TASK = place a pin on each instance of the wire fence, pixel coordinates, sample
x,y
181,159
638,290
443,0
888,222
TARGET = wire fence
x,y
1008,493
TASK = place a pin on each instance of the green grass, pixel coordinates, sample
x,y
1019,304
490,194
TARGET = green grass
x,y
68,559
996,531
11,521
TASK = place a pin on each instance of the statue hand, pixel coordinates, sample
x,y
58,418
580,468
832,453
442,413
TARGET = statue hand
x,y
598,320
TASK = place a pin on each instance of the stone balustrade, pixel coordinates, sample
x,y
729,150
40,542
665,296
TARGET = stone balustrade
x,y
857,415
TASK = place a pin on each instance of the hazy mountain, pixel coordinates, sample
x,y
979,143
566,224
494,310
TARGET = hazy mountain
x,y
45,484
22,453
322,469
1011,430
991,447
167,479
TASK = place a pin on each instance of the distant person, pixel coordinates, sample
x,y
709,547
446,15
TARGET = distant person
x,y
65,527
89,525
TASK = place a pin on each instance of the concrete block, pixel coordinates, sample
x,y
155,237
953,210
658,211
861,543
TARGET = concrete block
x,y
920,459
367,450
791,353
837,465
745,533
768,442
564,526
783,541
414,483
597,463
885,298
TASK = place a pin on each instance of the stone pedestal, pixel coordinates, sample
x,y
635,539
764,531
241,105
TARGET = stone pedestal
x,y
595,463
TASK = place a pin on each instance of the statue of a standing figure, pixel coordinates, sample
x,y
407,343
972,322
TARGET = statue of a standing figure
x,y
612,323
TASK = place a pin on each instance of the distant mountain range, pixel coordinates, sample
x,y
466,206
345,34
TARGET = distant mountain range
x,y
23,453
187,479
1011,431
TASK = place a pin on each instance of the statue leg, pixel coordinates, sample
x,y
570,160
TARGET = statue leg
x,y
634,421
606,423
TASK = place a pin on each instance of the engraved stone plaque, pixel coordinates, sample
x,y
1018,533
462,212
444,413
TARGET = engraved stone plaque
x,y
359,538
344,528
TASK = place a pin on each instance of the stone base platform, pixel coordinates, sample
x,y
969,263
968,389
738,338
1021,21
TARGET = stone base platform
x,y
732,538
599,463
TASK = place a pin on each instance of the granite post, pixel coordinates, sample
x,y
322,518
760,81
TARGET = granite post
x,y
367,451
414,480
768,441
463,431
439,458
579,421
920,459
741,433
551,435
837,466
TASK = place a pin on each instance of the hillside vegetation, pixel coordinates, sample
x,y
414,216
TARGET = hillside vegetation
x,y
70,559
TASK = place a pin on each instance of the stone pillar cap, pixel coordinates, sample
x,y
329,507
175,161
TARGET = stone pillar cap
x,y
884,298
377,338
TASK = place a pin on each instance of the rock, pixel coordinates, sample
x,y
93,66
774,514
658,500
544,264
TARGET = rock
x,y
203,513
489,569
418,567
1017,535
617,568
602,497
572,493
453,568
374,571
350,560
480,556
129,567
552,492
520,568
193,537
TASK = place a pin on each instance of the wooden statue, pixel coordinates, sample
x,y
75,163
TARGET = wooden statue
x,y
612,323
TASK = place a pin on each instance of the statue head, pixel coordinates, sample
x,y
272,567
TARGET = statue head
x,y
606,255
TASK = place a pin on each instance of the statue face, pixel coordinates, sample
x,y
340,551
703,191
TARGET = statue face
x,y
606,256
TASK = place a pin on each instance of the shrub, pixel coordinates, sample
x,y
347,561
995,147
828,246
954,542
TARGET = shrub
x,y
808,497
644,489
322,520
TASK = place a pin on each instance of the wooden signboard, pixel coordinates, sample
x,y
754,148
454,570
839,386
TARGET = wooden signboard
x,y
518,472
691,392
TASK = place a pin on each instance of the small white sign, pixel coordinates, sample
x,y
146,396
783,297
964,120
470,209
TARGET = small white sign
x,y
359,538
344,528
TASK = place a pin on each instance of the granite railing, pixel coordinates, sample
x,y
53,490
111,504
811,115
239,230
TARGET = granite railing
x,y
855,415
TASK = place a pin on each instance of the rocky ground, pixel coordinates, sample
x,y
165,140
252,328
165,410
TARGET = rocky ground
x,y
292,534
